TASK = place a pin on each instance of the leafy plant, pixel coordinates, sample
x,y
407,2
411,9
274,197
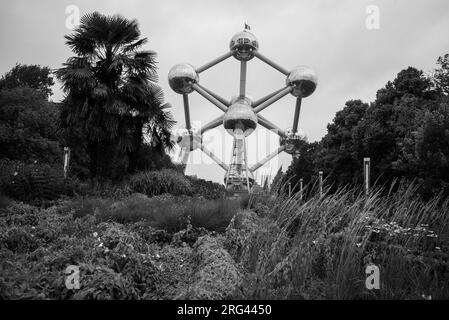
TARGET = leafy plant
x,y
154,183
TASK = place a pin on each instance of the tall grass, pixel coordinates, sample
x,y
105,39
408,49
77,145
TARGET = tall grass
x,y
320,247
162,212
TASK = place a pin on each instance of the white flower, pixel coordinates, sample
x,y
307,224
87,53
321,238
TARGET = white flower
x,y
95,234
100,245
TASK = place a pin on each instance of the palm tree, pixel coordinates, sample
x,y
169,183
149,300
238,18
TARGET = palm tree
x,y
111,91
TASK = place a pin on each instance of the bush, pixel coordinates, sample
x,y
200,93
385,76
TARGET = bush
x,y
153,183
166,212
115,262
33,183
207,189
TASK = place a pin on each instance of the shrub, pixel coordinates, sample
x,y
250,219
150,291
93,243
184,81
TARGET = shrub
x,y
166,212
115,262
154,183
4,201
33,183
206,189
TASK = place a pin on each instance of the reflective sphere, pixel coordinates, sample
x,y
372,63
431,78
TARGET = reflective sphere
x,y
292,141
188,139
243,44
240,118
303,80
181,77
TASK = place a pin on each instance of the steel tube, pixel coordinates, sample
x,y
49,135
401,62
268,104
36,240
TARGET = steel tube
x,y
271,63
185,98
270,126
216,96
242,78
266,159
211,125
214,62
213,157
209,97
263,99
296,117
273,99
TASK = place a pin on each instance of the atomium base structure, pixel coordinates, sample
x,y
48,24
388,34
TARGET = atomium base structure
x,y
241,113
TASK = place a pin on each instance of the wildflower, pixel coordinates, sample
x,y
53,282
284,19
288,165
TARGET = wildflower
x,y
100,245
429,297
95,234
158,256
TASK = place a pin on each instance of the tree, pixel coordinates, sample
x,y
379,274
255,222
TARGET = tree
x,y
28,126
441,75
303,166
32,76
404,132
278,178
337,156
112,94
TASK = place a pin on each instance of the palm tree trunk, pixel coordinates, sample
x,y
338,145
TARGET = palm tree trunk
x,y
133,156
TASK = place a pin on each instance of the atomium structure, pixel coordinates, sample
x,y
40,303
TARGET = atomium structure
x,y
241,113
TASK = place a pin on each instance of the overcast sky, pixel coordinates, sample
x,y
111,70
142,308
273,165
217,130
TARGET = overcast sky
x,y
352,61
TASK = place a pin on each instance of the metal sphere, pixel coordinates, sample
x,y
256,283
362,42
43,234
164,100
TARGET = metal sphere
x,y
292,141
244,44
303,80
181,77
240,118
188,139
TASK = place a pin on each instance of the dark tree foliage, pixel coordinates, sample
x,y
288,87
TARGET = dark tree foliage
x,y
278,178
112,96
338,156
28,126
31,76
404,132
441,75
303,166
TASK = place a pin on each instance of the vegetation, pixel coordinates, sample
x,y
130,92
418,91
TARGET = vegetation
x,y
138,228
112,95
319,248
404,132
